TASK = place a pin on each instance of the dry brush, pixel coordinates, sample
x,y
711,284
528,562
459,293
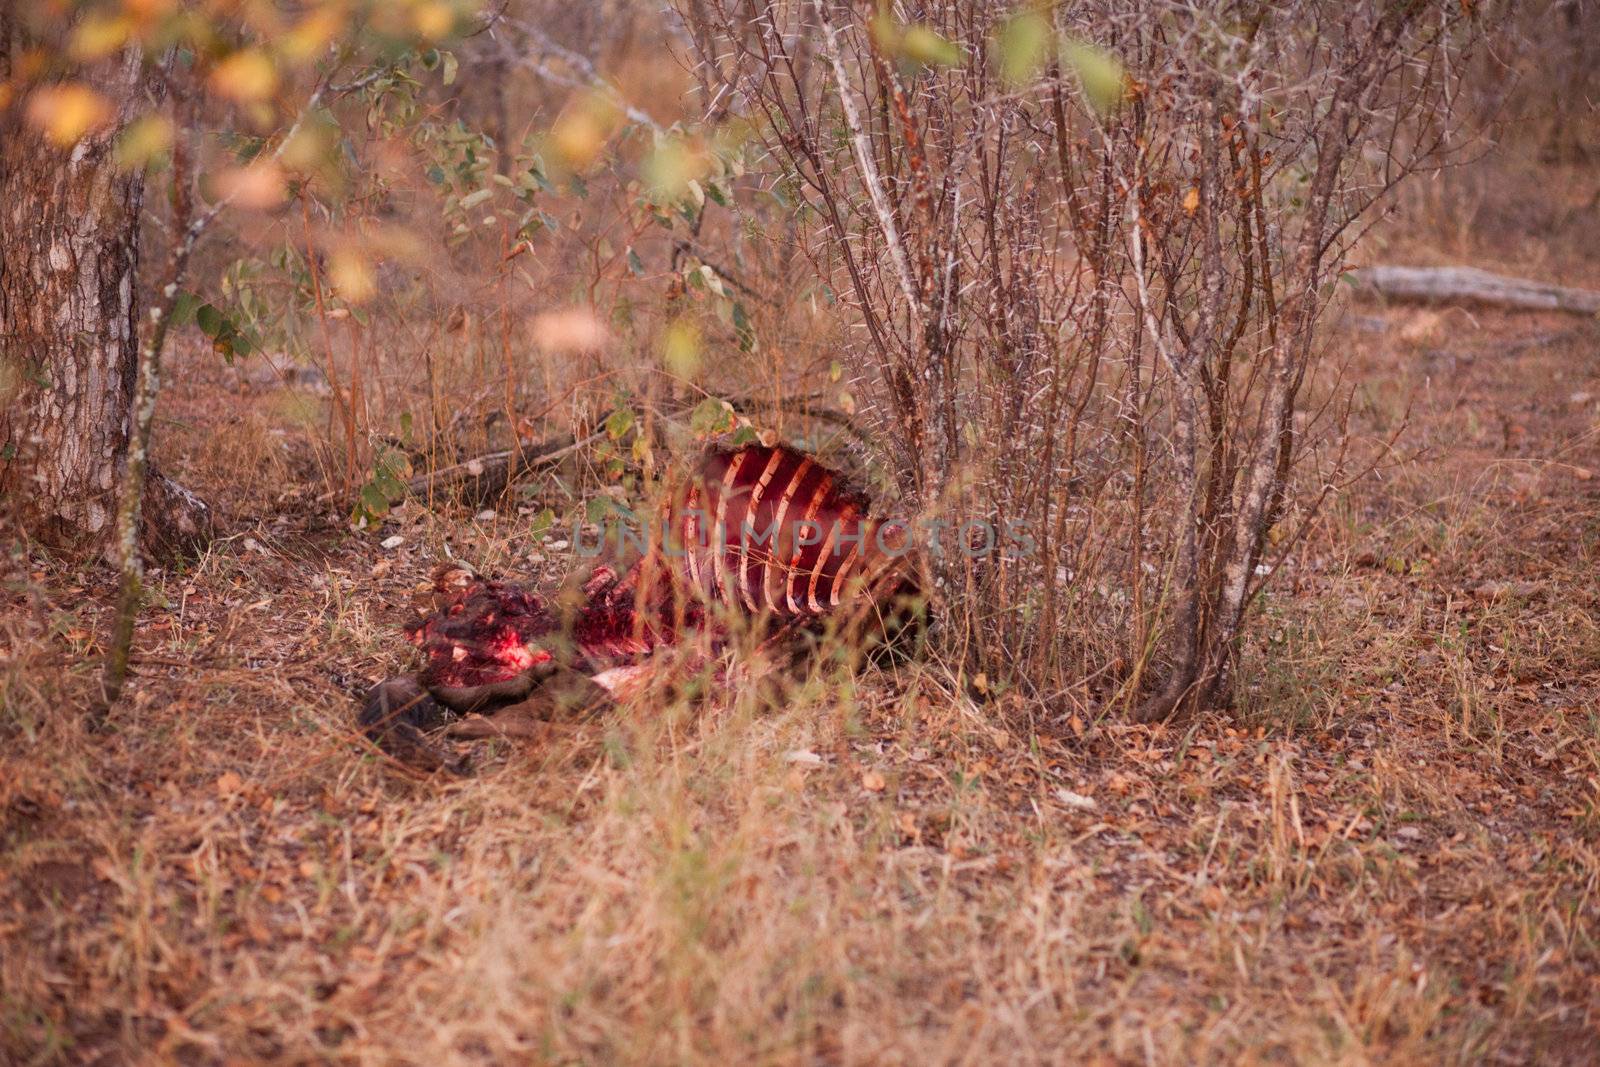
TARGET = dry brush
x,y
1086,249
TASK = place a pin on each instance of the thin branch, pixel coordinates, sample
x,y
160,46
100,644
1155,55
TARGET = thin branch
x,y
869,169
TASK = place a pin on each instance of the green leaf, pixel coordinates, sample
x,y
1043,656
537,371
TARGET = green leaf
x,y
371,504
210,320
635,264
542,523
711,416
389,486
620,422
926,48
743,328
1099,72
472,200
183,308
1022,47
622,314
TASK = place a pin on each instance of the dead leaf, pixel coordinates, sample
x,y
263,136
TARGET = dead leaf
x,y
873,782
1076,800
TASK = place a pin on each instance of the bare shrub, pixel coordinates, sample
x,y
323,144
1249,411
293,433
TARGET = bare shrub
x,y
1086,249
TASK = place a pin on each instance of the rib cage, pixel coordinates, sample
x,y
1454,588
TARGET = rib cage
x,y
783,534
760,531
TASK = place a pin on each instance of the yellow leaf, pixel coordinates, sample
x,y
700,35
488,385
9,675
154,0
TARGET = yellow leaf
x,y
434,21
100,34
245,76
65,113
312,34
257,186
1191,201
143,140
669,169
147,10
582,130
312,148
351,276
680,349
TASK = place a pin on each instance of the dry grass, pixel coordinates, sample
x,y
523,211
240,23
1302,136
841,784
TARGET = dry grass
x,y
1387,853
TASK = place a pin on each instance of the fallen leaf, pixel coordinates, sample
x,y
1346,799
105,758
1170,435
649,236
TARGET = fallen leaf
x,y
1076,800
873,782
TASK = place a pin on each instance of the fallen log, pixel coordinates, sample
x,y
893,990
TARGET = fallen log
x,y
1468,285
484,476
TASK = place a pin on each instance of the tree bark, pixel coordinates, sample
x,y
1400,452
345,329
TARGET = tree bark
x,y
69,314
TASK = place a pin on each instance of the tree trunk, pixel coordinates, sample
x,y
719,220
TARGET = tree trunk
x,y
69,314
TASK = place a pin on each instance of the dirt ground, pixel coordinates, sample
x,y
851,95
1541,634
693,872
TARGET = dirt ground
x,y
1388,852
